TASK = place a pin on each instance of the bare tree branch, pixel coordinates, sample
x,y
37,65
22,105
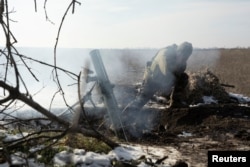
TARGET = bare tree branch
x,y
97,134
29,69
12,60
60,89
46,14
15,94
35,5
49,65
1,10
73,8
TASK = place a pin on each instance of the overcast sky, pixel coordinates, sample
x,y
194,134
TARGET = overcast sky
x,y
133,23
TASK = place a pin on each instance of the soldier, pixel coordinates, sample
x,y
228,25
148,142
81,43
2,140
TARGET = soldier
x,y
165,73
183,53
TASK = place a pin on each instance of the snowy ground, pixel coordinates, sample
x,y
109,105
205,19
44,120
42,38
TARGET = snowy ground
x,y
125,154
139,155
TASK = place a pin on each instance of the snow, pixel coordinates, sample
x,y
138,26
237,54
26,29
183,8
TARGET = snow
x,y
87,158
185,134
2,134
209,100
19,159
17,136
124,153
37,148
206,100
241,98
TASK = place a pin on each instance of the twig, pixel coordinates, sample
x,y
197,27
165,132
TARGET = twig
x,y
97,134
1,11
49,65
37,135
35,5
73,8
45,11
55,51
29,69
8,35
227,85
15,94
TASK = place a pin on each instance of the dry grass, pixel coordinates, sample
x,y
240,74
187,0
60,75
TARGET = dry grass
x,y
87,143
232,66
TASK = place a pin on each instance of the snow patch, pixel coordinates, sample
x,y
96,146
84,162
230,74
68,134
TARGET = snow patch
x,y
10,137
241,98
185,134
206,100
209,100
124,153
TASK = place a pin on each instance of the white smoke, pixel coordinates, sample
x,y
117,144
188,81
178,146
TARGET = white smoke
x,y
125,66
203,58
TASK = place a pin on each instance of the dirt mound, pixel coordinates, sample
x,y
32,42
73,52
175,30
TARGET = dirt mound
x,y
194,131
205,83
222,125
191,129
